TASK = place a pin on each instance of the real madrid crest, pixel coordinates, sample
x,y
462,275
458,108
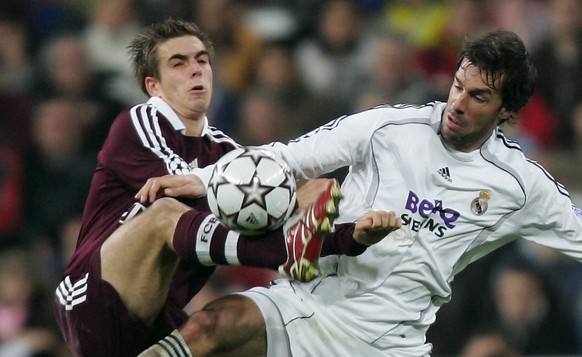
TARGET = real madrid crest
x,y
480,204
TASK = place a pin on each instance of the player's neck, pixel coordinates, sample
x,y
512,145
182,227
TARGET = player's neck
x,y
194,127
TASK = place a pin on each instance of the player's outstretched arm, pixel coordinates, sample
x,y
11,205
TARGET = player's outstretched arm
x,y
189,186
374,226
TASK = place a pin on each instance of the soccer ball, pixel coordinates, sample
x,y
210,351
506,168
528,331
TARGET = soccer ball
x,y
251,191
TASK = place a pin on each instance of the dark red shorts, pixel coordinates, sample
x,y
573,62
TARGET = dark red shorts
x,y
95,322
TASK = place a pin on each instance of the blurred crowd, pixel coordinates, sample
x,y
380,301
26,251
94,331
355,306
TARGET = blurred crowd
x,y
282,68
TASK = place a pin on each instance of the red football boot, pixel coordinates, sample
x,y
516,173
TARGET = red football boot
x,y
305,232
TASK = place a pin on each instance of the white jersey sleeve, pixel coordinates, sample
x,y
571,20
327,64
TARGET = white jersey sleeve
x,y
548,217
341,142
344,141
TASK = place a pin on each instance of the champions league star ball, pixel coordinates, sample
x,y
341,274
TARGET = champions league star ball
x,y
251,191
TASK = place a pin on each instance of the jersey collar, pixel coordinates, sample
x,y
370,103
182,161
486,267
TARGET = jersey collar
x,y
437,116
172,117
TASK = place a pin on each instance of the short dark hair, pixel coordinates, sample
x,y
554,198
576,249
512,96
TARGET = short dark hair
x,y
143,49
503,59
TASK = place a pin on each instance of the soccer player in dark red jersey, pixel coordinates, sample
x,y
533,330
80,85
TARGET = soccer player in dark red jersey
x,y
132,274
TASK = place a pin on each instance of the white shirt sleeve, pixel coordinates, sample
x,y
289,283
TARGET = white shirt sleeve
x,y
550,219
341,142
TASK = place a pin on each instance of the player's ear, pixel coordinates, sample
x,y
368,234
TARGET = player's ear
x,y
505,115
151,85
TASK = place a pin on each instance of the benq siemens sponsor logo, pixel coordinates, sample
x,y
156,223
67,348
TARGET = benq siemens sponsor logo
x,y
435,216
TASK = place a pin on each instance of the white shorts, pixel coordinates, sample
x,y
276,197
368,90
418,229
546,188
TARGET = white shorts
x,y
277,339
301,327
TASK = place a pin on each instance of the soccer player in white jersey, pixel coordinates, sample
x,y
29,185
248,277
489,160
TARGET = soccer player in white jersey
x,y
461,188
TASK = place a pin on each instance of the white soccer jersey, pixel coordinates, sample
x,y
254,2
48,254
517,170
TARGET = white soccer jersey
x,y
456,207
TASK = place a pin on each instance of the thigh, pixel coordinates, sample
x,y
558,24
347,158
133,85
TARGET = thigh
x,y
138,258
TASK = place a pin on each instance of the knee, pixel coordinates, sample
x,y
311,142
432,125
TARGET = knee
x,y
200,325
200,332
167,204
165,212
159,220
232,321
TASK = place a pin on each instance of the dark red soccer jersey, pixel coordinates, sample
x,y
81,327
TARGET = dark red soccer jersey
x,y
144,141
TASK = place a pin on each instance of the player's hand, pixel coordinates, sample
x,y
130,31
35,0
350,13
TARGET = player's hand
x,y
189,186
374,226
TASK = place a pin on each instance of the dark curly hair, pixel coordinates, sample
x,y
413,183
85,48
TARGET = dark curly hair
x,y
143,49
504,61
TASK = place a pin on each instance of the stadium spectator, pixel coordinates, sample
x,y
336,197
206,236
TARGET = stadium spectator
x,y
64,70
559,60
527,313
341,41
15,64
27,328
527,18
57,175
109,30
261,118
392,76
276,77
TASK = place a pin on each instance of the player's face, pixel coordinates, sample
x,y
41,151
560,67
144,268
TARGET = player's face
x,y
473,110
185,81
